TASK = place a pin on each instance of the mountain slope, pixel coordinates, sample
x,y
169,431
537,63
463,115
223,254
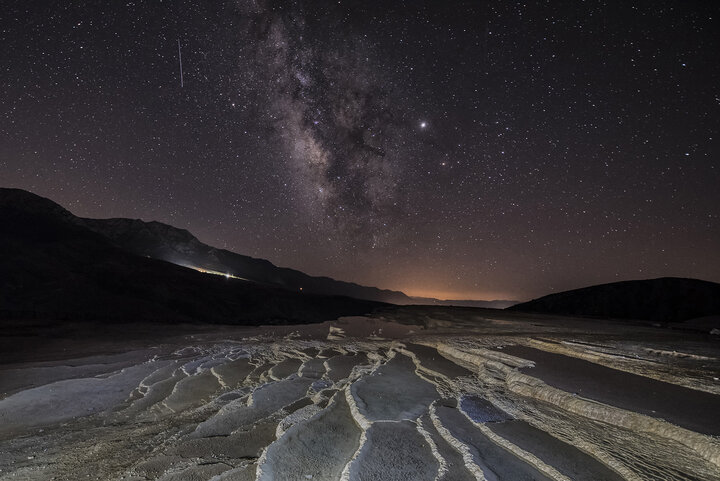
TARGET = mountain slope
x,y
162,241
667,299
53,267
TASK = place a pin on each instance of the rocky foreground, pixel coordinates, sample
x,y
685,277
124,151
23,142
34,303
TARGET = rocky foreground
x,y
412,395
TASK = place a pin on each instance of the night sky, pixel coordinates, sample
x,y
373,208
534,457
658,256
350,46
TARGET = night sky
x,y
457,149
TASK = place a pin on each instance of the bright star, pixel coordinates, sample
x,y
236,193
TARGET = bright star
x,y
423,125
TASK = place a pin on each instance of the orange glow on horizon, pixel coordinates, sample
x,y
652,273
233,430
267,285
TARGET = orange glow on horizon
x,y
458,295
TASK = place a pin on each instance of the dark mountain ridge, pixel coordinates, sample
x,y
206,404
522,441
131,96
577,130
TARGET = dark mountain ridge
x,y
53,266
666,299
178,246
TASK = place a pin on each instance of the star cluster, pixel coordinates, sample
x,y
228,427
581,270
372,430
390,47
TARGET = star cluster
x,y
456,149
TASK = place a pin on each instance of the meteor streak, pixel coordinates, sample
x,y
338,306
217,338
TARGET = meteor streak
x,y
182,83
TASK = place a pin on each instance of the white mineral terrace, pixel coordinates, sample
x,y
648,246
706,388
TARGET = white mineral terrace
x,y
371,399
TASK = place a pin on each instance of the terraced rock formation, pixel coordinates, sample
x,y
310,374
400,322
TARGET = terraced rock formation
x,y
469,401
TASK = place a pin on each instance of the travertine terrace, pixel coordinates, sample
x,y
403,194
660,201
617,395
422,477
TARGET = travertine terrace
x,y
422,394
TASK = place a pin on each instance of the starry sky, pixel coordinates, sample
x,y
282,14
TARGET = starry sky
x,y
456,149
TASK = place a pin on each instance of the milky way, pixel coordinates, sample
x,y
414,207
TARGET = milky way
x,y
330,110
457,149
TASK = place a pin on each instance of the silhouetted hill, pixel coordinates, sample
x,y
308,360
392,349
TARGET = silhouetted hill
x,y
667,299
178,246
52,266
